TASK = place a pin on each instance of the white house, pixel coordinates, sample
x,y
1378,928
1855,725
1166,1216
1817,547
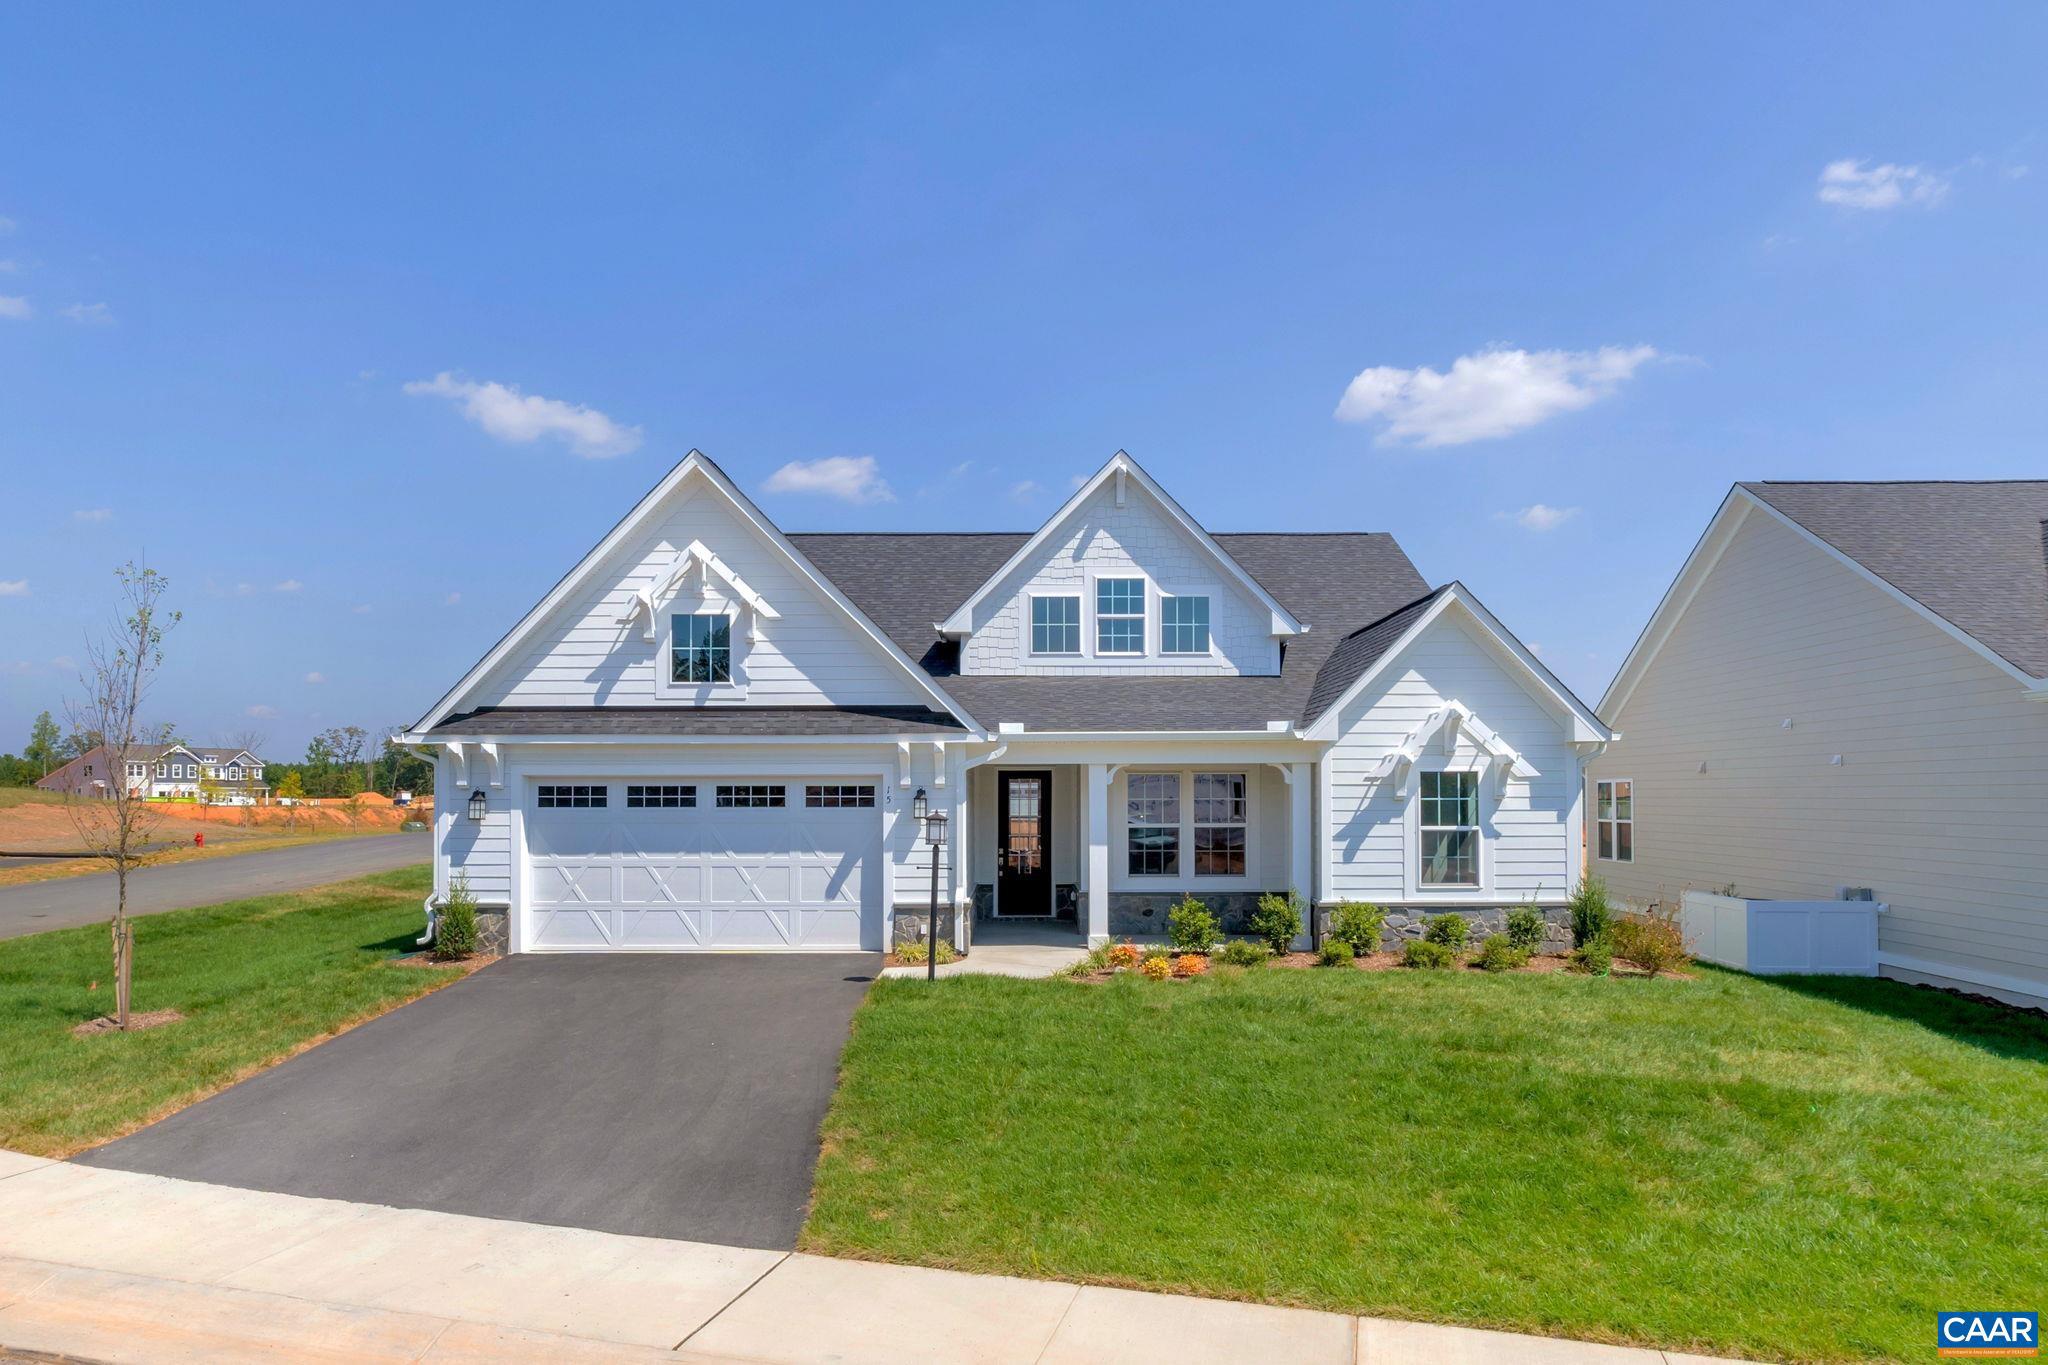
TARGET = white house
x,y
712,734
1844,688
228,775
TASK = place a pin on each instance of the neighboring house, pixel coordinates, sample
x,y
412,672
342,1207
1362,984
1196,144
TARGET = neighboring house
x,y
226,775
1844,688
711,734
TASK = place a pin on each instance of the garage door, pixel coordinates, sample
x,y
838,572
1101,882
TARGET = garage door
x,y
686,863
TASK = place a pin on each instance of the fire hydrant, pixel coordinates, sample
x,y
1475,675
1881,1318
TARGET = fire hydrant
x,y
199,839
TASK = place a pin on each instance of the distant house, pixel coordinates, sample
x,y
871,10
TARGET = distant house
x,y
228,775
1844,688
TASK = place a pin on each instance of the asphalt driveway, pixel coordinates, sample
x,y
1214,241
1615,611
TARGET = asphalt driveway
x,y
663,1095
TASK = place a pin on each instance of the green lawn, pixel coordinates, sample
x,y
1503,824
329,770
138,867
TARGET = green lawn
x,y
256,980
1804,1169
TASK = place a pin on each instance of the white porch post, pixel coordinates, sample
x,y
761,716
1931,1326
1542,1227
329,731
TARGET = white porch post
x,y
1301,834
1098,852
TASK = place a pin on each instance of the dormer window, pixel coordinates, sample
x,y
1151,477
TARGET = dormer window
x,y
700,649
1056,625
1184,625
1120,616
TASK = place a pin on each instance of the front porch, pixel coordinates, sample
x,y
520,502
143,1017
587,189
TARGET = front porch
x,y
1089,851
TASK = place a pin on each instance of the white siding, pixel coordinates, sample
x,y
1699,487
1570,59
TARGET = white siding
x,y
1528,832
582,656
478,850
1939,801
1135,538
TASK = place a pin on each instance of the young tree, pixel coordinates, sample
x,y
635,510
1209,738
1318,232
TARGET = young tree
x,y
291,791
44,739
119,670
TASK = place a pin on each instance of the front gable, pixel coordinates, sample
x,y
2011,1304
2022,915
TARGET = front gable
x,y
1197,611
608,633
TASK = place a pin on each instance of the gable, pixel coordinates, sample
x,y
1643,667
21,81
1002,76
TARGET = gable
x,y
795,640
1120,528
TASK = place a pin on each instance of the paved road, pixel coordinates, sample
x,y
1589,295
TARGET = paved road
x,y
69,901
664,1095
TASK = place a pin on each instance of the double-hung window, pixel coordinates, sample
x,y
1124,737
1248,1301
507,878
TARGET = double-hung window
x,y
1152,812
1184,625
1119,616
1614,819
1055,625
701,650
1219,824
1449,824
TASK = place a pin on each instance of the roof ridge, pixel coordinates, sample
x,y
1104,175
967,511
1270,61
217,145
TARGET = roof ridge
x,y
1878,483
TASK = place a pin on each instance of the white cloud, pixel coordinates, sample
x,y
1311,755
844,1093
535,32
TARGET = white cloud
x,y
1851,184
12,306
9,266
13,587
316,678
454,599
93,514
245,589
7,225
846,477
87,314
1542,517
22,666
1025,490
1076,483
289,585
63,661
523,418
1487,394
361,608
261,712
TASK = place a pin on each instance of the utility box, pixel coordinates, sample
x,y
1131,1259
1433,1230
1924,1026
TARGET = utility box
x,y
1772,937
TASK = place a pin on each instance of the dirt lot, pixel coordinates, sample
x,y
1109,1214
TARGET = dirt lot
x,y
38,823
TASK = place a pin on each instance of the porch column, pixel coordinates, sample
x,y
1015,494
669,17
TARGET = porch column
x,y
1301,833
1098,852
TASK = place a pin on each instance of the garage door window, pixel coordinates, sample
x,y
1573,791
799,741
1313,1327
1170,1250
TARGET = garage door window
x,y
558,797
640,797
739,796
839,797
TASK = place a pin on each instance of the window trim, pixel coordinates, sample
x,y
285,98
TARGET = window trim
x,y
665,685
684,796
1196,824
1613,823
1414,888
1031,649
1208,601
726,796
1178,826
840,796
1185,879
1146,595
572,796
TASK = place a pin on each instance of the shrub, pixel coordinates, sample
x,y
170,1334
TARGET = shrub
x,y
1096,961
1420,952
455,926
1336,953
913,951
1450,929
1499,954
1526,928
1595,958
1190,964
1277,921
1652,942
1123,955
1156,968
1190,928
1591,913
1242,952
1359,925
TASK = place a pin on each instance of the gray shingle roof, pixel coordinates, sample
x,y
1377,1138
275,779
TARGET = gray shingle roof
x,y
1360,650
702,720
1335,582
1971,553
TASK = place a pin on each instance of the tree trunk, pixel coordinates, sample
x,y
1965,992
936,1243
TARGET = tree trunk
x,y
124,947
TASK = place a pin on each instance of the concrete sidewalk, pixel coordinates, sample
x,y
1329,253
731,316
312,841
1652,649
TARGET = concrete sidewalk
x,y
115,1266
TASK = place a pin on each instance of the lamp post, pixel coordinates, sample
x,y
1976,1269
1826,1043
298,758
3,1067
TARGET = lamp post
x,y
934,823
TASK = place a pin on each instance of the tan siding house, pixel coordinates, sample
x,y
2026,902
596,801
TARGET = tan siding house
x,y
1797,719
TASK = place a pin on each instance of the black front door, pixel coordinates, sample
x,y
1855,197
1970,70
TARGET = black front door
x,y
1023,844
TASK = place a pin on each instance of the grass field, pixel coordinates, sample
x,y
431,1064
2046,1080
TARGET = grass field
x,y
256,980
1806,1169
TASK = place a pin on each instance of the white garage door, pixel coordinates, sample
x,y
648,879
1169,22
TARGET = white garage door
x,y
681,863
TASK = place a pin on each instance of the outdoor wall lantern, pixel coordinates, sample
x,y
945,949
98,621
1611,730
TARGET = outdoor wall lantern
x,y
478,804
933,823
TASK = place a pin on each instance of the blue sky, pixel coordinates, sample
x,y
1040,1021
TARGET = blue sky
x,y
1410,268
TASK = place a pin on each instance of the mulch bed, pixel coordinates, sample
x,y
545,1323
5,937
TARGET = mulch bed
x,y
1393,962
136,1023
473,963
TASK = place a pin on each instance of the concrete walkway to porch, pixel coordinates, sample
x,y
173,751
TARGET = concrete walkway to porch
x,y
1013,947
113,1266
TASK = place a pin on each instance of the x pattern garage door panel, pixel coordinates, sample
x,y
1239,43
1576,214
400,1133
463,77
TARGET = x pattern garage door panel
x,y
704,877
